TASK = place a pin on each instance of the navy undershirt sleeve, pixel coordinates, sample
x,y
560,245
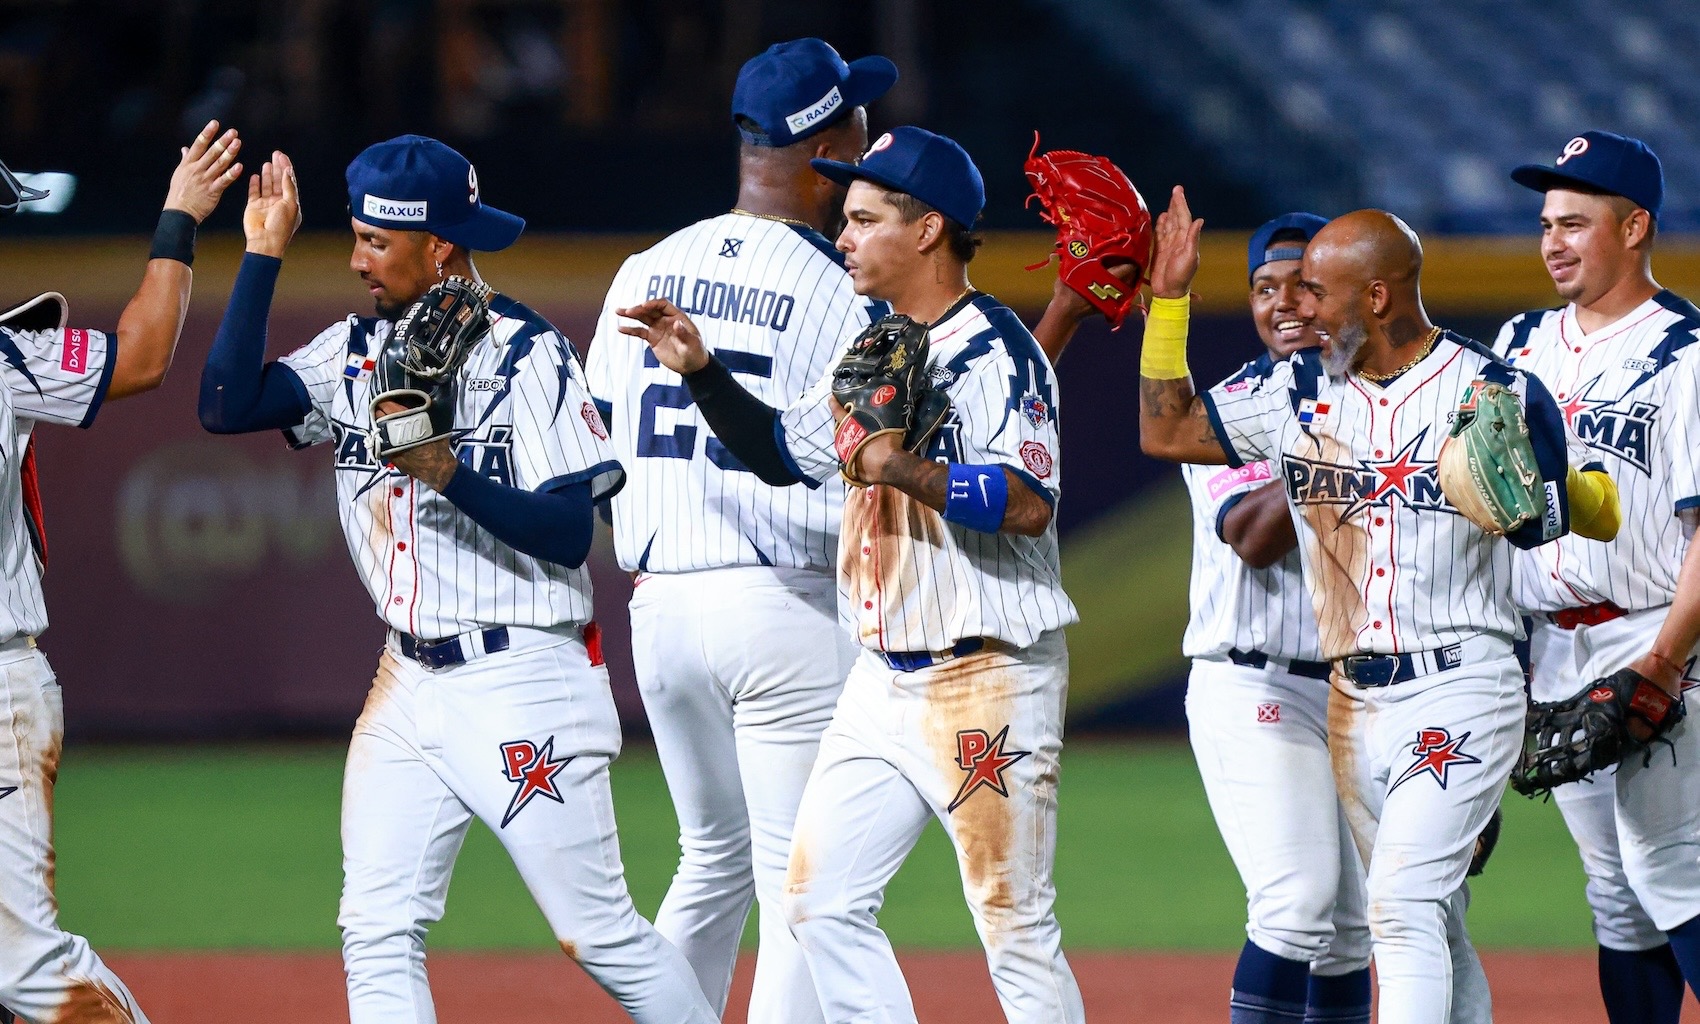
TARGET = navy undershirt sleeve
x,y
742,422
240,391
554,525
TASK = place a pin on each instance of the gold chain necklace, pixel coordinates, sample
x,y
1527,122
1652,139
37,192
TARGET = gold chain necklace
x,y
1428,346
963,294
772,216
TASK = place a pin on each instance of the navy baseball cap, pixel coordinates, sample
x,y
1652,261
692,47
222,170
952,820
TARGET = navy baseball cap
x,y
1264,249
793,90
932,168
1602,162
412,183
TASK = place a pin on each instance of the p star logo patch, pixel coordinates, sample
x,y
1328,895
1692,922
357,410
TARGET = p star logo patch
x,y
985,760
534,768
1436,753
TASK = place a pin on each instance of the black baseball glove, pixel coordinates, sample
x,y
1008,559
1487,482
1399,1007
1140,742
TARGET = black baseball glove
x,y
1604,722
418,365
881,380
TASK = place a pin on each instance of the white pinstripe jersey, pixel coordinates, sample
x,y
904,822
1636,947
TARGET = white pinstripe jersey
x,y
911,581
1631,392
1233,604
1391,566
774,304
50,376
524,420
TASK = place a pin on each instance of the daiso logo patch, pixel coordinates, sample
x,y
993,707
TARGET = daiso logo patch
x,y
1226,480
75,356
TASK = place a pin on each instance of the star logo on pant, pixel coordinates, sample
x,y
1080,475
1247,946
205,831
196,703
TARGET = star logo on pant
x,y
1435,752
985,760
534,768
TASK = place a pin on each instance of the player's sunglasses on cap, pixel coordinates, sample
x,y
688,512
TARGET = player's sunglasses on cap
x,y
1264,248
1602,162
413,183
14,193
792,90
932,168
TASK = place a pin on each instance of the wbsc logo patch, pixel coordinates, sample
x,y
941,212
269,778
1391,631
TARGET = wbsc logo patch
x,y
985,760
1436,752
534,768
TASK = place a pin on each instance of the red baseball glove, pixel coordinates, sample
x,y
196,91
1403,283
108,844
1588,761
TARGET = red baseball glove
x,y
1100,219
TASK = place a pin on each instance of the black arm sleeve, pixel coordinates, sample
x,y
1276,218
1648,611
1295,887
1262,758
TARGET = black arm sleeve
x,y
743,422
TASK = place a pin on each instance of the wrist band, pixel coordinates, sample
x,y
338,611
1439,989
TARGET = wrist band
x,y
174,238
1162,356
977,497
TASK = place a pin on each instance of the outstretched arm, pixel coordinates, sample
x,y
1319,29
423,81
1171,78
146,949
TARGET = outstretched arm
x,y
152,321
1066,312
240,391
1174,423
746,425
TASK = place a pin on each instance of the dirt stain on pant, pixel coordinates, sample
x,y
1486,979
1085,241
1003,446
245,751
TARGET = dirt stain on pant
x,y
91,1002
1347,719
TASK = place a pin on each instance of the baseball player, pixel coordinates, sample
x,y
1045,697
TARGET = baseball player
x,y
1413,601
491,698
948,568
739,653
1257,708
1621,361
54,374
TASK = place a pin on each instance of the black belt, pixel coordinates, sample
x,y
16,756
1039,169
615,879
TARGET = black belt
x,y
450,651
1297,666
911,661
1387,669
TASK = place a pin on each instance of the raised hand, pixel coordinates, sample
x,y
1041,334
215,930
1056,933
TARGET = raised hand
x,y
208,167
669,332
1176,260
274,207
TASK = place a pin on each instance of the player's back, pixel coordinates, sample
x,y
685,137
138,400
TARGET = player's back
x,y
774,304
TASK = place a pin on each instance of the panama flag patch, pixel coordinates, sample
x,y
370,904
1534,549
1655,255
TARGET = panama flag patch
x,y
1311,411
358,366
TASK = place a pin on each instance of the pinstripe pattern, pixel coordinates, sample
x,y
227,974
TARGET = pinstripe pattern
x,y
1391,566
524,419
1234,605
774,303
1629,391
910,580
55,376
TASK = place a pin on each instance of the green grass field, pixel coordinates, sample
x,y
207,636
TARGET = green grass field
x,y
236,848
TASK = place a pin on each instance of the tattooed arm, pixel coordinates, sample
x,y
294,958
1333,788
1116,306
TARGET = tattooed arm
x,y
1174,423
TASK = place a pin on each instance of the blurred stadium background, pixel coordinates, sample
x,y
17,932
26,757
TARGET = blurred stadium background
x,y
200,589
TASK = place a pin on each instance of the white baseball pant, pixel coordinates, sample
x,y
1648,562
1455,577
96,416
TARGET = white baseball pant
x,y
974,742
740,669
46,973
1420,767
522,739
1638,826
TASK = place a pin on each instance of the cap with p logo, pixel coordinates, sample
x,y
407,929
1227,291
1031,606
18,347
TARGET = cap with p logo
x,y
1598,161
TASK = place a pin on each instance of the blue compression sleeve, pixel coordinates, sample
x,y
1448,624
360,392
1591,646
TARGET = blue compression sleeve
x,y
240,391
555,526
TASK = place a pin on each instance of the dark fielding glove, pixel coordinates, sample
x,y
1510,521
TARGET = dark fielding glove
x,y
881,380
1606,721
1485,842
1487,465
1100,219
418,365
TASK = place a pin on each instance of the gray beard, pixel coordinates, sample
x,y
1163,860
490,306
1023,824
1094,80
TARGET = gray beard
x,y
1343,348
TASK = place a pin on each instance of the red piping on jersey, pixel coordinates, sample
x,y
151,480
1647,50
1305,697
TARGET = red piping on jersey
x,y
389,524
413,549
30,483
879,575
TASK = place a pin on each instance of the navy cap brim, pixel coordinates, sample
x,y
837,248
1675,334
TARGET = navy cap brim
x,y
1542,178
487,230
870,78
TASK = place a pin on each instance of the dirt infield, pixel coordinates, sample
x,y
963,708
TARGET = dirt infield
x,y
950,988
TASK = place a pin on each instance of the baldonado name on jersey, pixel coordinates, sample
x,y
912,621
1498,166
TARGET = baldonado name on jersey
x,y
717,300
490,455
1600,423
1413,482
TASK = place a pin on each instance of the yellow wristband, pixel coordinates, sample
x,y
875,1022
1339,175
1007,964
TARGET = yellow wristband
x,y
1594,510
1163,356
